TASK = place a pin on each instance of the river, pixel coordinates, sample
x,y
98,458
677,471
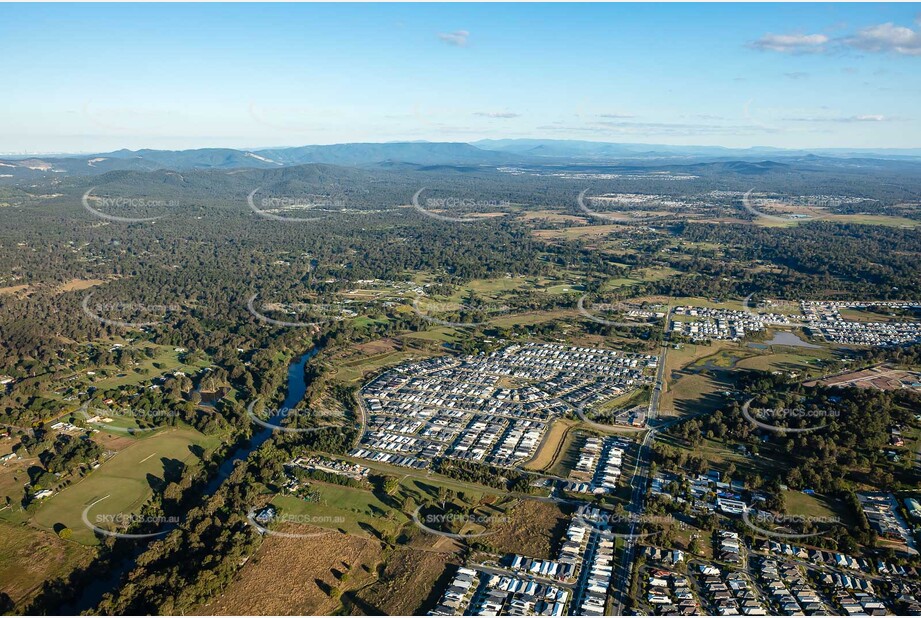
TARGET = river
x,y
92,593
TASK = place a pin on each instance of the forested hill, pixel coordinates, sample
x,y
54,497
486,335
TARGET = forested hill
x,y
418,153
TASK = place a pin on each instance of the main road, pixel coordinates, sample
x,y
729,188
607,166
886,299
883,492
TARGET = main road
x,y
637,499
641,479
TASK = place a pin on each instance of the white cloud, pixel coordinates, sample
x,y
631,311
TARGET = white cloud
x,y
617,116
497,114
457,38
857,118
796,75
792,43
886,38
881,38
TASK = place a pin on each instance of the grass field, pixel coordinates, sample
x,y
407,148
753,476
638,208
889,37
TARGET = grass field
x,y
619,282
532,317
688,392
531,528
297,576
564,288
355,371
28,557
354,363
128,479
798,503
580,232
696,375
352,511
14,289
865,315
444,335
364,512
551,215
408,585
802,362
75,285
488,287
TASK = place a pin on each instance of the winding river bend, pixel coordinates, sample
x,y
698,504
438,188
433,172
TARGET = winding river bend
x,y
297,388
92,594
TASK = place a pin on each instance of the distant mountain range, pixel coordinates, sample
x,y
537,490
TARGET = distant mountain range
x,y
350,155
543,148
484,153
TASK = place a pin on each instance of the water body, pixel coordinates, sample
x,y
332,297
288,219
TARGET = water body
x,y
297,388
92,593
783,337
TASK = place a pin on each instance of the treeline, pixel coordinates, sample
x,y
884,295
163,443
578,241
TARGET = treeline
x,y
483,474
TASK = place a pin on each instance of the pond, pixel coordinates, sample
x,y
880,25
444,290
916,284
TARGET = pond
x,y
790,339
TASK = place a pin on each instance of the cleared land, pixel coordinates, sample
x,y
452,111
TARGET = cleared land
x,y
531,528
406,585
884,378
299,576
128,479
551,447
29,557
690,390
14,289
353,511
75,285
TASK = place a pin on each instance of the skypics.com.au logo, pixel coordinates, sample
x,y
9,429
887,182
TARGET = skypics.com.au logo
x,y
437,523
316,314
598,215
769,419
278,208
468,316
131,204
780,526
434,207
126,521
777,312
290,420
593,310
802,209
625,525
126,314
268,521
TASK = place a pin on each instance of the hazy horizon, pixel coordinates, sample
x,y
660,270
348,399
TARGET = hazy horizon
x,y
475,142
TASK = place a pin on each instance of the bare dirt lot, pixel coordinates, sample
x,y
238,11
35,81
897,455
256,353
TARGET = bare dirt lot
x,y
550,448
75,285
885,378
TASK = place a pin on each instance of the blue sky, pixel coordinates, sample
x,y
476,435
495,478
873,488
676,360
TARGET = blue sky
x,y
83,78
